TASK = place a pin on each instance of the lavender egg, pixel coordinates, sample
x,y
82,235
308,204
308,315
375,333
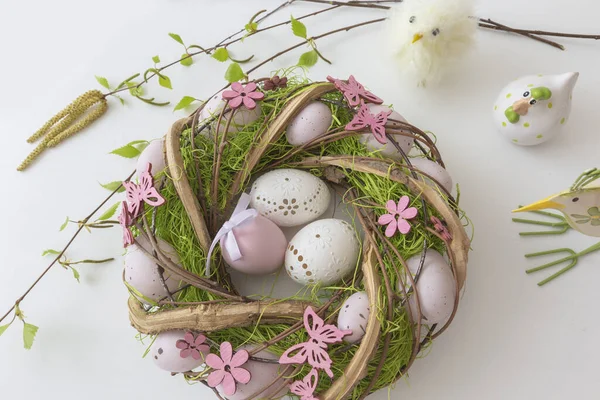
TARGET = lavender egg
x,y
168,357
262,375
435,170
436,288
241,117
354,316
262,245
387,150
142,273
312,121
153,154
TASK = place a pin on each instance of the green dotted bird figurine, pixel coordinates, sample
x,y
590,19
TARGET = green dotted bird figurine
x,y
580,206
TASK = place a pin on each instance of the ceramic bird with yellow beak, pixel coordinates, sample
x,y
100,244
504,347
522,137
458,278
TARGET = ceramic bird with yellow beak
x,y
580,205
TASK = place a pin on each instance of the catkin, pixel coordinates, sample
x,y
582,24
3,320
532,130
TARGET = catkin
x,y
96,113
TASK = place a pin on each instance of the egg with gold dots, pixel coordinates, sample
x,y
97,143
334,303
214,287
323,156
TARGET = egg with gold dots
x,y
533,109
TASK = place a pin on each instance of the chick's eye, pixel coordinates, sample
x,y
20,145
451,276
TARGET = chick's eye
x,y
412,19
532,101
526,94
435,32
575,200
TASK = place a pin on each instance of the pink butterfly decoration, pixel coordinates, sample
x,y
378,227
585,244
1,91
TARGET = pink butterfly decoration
x,y
307,386
192,346
315,350
364,118
227,369
353,91
398,216
125,221
144,192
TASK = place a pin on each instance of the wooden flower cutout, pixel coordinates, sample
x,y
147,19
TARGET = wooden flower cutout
x,y
227,369
192,346
398,216
240,94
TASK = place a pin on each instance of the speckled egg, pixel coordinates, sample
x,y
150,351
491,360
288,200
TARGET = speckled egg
x,y
354,316
262,374
290,197
436,287
142,273
241,117
435,170
388,149
167,356
153,154
262,245
323,252
312,121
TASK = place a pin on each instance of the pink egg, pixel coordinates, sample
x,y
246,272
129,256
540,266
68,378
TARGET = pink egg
x,y
168,356
388,149
262,374
312,121
142,273
262,245
153,154
241,117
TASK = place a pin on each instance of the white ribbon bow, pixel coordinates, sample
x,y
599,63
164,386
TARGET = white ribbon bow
x,y
241,213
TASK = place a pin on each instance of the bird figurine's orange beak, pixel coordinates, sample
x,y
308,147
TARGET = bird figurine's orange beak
x,y
417,37
547,203
522,106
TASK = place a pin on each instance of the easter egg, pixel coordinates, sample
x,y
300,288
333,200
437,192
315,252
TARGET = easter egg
x,y
241,117
142,273
290,197
262,245
434,170
262,375
153,154
169,357
534,108
323,252
436,288
388,149
312,121
354,316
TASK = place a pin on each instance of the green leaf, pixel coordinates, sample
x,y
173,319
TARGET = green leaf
x,y
234,73
29,332
298,28
126,151
64,225
308,59
110,212
176,38
156,59
165,81
103,81
3,328
221,54
186,62
134,89
120,99
251,27
114,185
75,274
184,102
50,251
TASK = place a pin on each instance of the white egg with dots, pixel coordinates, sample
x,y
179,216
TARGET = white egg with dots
x,y
434,170
311,122
354,315
241,116
167,356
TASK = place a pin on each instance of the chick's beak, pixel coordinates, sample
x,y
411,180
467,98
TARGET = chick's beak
x,y
541,205
417,37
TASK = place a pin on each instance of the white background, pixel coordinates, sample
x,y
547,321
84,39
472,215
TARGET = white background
x,y
510,339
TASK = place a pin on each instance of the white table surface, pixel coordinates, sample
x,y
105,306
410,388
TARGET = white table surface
x,y
510,339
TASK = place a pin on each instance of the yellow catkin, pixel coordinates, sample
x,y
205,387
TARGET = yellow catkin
x,y
75,112
86,121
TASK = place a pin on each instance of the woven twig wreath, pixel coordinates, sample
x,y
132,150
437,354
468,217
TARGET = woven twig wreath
x,y
207,171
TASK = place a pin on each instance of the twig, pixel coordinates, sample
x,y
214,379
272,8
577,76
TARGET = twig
x,y
489,24
541,33
361,4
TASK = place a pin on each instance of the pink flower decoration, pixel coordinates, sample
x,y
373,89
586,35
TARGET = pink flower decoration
x,y
145,192
364,118
353,91
125,221
227,369
192,346
307,386
248,95
403,214
315,350
440,228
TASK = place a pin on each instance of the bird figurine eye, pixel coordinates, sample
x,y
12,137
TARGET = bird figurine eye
x,y
526,94
412,19
435,32
575,200
532,101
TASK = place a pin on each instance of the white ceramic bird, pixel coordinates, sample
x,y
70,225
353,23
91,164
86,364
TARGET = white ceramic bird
x,y
428,35
535,108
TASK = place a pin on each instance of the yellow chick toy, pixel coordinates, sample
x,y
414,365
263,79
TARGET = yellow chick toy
x,y
580,206
427,35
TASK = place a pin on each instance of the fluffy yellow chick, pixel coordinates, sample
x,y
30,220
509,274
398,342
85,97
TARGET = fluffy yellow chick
x,y
427,35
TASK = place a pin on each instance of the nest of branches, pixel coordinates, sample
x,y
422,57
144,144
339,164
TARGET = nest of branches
x,y
208,169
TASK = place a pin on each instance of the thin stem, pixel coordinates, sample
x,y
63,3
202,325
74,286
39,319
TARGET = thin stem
x,y
489,24
362,4
544,33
